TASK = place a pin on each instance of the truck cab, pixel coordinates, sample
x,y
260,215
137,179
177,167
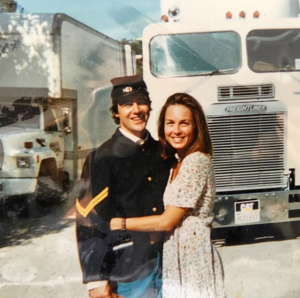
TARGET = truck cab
x,y
54,99
240,60
32,143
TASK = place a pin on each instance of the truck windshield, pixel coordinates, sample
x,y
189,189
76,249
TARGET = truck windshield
x,y
19,114
274,50
195,54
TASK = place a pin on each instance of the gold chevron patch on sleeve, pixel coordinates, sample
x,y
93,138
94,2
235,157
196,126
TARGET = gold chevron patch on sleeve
x,y
96,200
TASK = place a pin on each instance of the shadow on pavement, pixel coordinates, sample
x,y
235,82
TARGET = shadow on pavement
x,y
16,229
256,233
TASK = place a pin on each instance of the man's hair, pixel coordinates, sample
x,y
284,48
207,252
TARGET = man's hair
x,y
201,142
114,110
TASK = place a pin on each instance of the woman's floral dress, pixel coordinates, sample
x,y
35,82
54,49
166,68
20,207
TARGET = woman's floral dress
x,y
191,265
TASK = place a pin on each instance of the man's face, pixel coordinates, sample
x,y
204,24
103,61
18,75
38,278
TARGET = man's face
x,y
133,116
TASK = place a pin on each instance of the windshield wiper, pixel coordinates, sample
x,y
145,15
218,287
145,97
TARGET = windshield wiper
x,y
217,71
207,76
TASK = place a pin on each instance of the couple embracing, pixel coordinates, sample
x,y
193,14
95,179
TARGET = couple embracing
x,y
144,213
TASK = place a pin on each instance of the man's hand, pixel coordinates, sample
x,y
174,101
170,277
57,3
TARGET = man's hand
x,y
101,292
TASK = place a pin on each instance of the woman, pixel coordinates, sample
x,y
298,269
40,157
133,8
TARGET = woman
x,y
191,265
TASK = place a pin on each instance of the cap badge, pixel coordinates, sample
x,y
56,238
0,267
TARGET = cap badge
x,y
127,89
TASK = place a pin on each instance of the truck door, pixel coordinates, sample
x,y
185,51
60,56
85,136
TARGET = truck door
x,y
53,136
66,114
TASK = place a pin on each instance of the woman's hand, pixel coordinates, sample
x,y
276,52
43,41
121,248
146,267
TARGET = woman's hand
x,y
116,224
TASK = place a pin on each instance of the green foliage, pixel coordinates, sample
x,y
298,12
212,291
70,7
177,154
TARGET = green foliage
x,y
8,6
136,45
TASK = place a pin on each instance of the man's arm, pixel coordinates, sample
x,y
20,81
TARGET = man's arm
x,y
91,229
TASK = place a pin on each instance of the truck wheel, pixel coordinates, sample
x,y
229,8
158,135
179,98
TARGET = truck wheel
x,y
37,208
47,194
65,181
26,206
48,191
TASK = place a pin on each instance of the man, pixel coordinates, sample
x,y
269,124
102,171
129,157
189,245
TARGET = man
x,y
124,177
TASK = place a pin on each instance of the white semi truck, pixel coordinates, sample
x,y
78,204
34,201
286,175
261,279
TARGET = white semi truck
x,y
241,60
54,99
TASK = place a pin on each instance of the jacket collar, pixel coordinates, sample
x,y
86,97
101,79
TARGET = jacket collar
x,y
128,144
133,138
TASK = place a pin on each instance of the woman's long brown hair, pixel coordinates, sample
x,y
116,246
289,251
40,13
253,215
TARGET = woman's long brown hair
x,y
202,141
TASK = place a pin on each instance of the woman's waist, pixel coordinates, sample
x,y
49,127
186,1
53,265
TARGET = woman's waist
x,y
198,219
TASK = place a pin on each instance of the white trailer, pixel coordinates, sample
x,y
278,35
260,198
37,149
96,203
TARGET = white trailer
x,y
54,97
241,60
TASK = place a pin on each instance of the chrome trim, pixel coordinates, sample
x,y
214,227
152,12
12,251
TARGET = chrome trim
x,y
249,151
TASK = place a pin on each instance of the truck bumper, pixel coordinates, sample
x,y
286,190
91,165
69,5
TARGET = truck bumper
x,y
256,208
13,187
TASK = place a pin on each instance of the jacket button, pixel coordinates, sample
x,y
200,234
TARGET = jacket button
x,y
143,150
150,178
154,209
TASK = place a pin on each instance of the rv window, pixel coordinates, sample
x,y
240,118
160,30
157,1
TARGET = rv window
x,y
274,50
195,54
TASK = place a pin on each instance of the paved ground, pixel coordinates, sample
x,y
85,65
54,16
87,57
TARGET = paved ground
x,y
38,258
262,270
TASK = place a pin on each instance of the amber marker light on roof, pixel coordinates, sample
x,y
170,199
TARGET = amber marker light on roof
x,y
228,15
242,14
165,18
256,14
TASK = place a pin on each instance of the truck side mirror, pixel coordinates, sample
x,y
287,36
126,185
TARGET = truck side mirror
x,y
66,114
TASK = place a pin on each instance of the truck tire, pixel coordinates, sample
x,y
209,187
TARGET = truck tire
x,y
24,206
48,192
65,181
36,208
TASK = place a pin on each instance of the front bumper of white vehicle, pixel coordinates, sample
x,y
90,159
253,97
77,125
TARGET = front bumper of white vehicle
x,y
13,187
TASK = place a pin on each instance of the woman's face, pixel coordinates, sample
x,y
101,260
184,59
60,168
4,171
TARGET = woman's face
x,y
179,128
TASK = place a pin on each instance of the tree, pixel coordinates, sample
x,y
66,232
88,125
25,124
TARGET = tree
x,y
8,6
136,46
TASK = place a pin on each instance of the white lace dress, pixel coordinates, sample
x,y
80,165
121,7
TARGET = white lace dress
x,y
191,265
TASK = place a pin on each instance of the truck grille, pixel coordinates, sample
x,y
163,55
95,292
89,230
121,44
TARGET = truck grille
x,y
246,92
248,151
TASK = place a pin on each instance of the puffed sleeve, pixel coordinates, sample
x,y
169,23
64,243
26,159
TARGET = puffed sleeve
x,y
191,183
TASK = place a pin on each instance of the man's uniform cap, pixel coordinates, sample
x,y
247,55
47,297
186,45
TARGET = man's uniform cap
x,y
129,88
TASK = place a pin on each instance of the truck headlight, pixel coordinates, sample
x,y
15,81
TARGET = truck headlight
x,y
23,162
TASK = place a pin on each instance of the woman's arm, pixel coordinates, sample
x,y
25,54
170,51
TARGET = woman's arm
x,y
155,223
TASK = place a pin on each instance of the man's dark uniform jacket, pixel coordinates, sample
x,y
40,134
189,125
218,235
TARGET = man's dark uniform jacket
x,y
119,179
